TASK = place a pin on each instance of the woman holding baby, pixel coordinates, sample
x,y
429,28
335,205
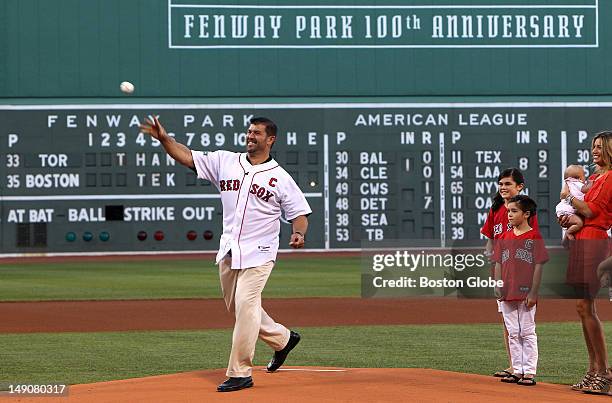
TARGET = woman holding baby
x,y
590,247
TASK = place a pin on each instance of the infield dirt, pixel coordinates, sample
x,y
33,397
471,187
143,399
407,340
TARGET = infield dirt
x,y
307,384
97,316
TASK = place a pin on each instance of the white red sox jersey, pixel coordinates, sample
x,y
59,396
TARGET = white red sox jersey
x,y
253,197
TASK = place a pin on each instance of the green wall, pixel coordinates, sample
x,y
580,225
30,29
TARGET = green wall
x,y
85,48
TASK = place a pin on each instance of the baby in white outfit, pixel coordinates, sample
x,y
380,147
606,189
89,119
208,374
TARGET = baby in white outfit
x,y
575,180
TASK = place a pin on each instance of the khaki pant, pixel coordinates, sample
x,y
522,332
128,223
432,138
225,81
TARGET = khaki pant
x,y
242,294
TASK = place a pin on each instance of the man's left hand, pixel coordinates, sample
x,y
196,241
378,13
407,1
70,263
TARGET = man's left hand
x,y
297,240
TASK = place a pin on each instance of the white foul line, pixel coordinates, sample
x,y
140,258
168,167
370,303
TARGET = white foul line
x,y
309,370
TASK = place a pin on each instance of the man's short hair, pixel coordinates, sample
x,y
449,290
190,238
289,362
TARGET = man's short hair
x,y
271,128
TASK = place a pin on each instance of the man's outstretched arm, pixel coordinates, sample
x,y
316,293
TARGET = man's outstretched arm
x,y
176,150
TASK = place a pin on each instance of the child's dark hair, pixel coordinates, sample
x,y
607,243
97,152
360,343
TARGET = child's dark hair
x,y
516,175
526,204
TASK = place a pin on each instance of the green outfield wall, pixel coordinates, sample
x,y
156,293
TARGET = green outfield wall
x,y
237,48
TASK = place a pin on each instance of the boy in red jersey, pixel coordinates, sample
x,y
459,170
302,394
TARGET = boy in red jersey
x,y
519,256
510,182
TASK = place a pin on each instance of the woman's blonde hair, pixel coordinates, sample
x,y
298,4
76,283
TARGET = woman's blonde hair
x,y
606,150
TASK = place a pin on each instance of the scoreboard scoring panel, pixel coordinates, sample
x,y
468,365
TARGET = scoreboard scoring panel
x,y
81,178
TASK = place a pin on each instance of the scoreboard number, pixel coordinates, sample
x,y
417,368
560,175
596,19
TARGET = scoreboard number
x,y
12,161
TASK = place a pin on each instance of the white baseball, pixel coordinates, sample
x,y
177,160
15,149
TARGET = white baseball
x,y
127,87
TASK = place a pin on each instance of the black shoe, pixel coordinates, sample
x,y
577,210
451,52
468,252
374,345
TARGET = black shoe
x,y
280,356
232,384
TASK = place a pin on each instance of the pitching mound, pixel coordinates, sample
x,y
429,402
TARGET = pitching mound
x,y
309,384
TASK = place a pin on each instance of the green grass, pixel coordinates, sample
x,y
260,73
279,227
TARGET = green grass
x,y
89,357
184,278
308,277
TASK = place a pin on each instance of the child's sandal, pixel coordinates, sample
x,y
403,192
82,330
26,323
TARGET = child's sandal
x,y
510,379
502,374
527,381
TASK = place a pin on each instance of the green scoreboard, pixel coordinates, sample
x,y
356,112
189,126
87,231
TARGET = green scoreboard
x,y
395,116
83,178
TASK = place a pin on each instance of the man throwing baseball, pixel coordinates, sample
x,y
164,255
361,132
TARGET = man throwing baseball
x,y
254,190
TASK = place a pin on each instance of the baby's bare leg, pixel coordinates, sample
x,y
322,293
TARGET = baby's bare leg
x,y
575,223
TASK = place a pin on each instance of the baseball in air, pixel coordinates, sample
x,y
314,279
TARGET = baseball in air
x,y
127,87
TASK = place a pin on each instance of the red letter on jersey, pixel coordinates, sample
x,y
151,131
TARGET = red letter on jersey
x,y
271,183
268,195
